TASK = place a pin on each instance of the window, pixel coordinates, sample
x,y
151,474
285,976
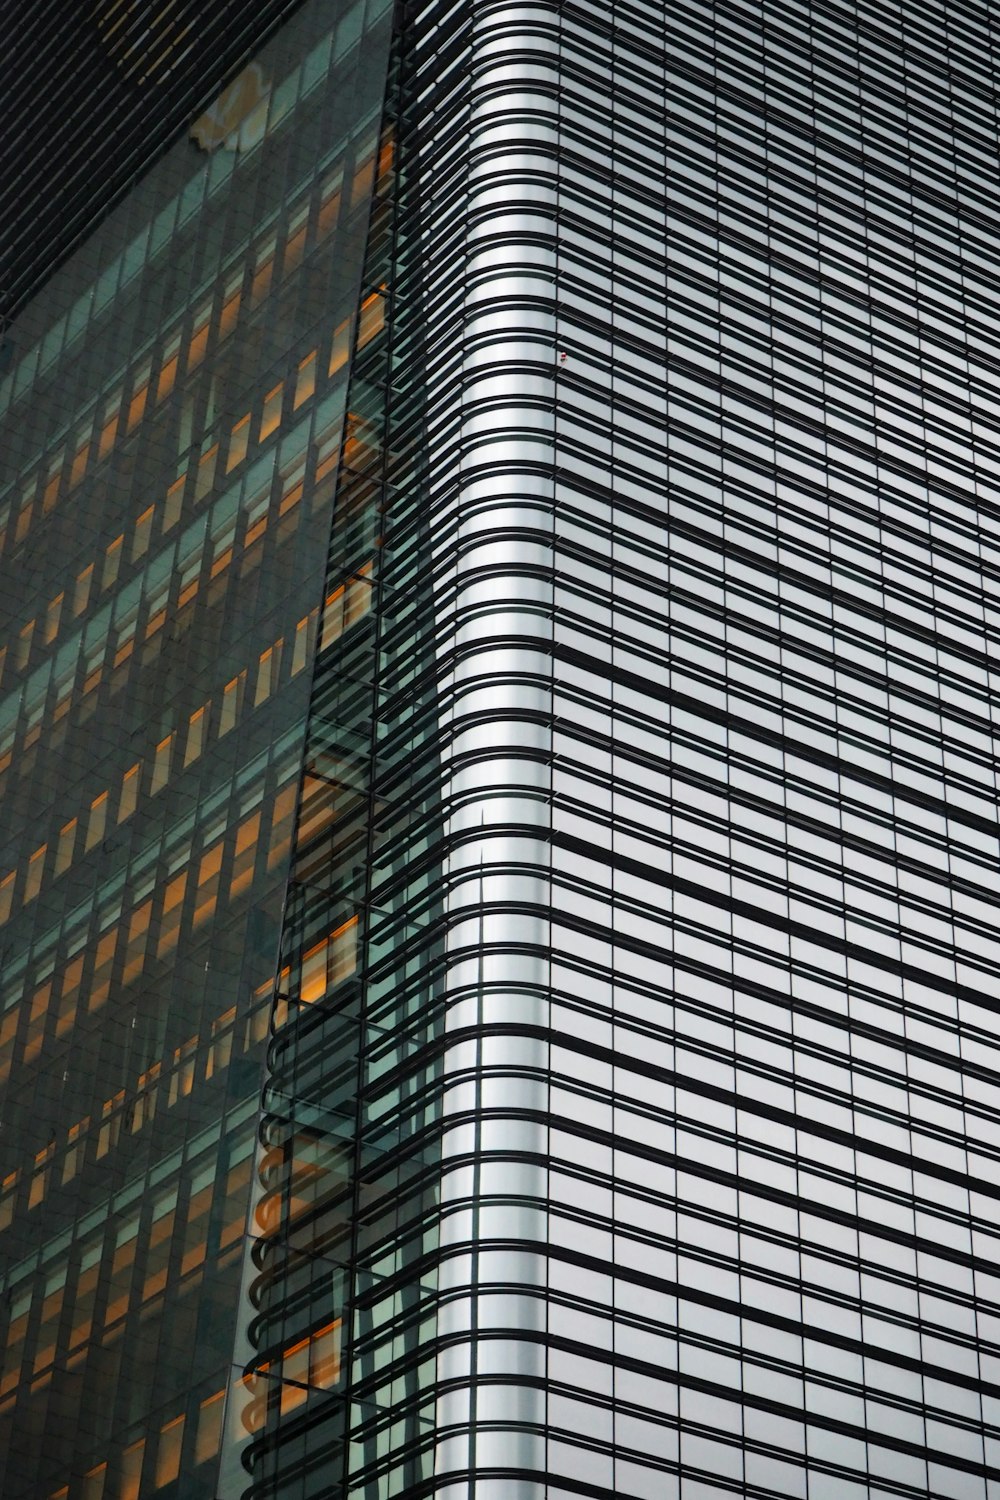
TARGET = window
x,y
37,1021
199,338
174,504
209,1434
97,820
329,961
205,476
112,562
75,1148
103,963
231,298
271,415
81,595
93,1483
340,349
168,1453
267,673
140,392
161,766
238,441
206,894
182,1071
144,1108
50,493
296,242
52,617
221,1050
122,1262
40,1176
305,381
372,319
300,652
230,705
197,725
135,947
111,1124
245,855
48,1329
263,270
161,1234
173,908
281,826
168,369
345,606
143,531
24,645
69,994
109,425
131,1470
129,793
36,869
76,473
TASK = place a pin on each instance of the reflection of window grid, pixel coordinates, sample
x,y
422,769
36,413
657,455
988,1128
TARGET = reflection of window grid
x,y
112,562
52,617
244,855
173,909
161,765
37,1018
271,413
295,244
230,705
209,1433
182,1074
54,476
142,533
168,1453
23,648
130,792
168,367
188,570
135,946
268,668
197,724
140,389
104,958
305,380
169,925
131,1470
97,820
207,888
329,962
36,869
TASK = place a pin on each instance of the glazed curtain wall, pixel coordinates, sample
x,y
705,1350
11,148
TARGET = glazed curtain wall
x,y
171,439
708,452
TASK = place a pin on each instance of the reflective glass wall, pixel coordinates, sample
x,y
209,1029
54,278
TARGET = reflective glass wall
x,y
709,463
171,433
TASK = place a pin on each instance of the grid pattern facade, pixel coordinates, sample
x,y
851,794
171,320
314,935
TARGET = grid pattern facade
x,y
676,1112
630,1116
150,65
172,431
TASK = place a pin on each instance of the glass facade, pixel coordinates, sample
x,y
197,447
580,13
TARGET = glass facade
x,y
674,1129
172,417
597,747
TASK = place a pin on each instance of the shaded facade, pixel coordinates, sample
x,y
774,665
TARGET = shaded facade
x,y
172,427
629,1110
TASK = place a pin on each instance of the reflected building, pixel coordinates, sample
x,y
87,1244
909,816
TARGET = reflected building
x,y
500,924
173,397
